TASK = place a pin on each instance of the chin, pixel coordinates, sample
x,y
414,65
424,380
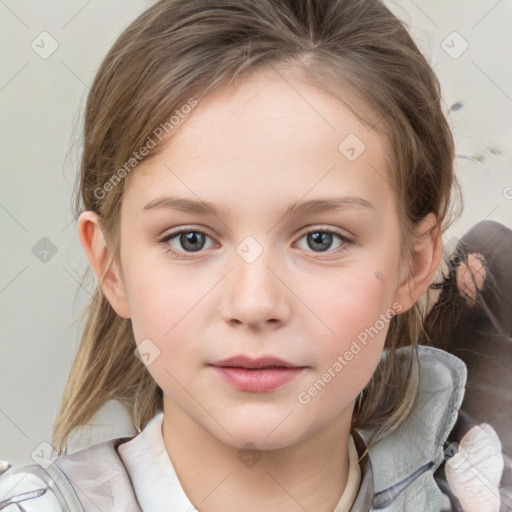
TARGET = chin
x,y
264,435
258,441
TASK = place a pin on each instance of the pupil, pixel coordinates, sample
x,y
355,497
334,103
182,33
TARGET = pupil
x,y
317,238
188,240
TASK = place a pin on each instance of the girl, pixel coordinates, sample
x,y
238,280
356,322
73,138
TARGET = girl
x,y
263,189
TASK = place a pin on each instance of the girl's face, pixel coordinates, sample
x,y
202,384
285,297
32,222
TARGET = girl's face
x,y
266,317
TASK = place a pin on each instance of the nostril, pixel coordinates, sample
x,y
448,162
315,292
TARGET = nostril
x,y
471,276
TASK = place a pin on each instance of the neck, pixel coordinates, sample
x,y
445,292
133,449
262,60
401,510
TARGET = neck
x,y
308,475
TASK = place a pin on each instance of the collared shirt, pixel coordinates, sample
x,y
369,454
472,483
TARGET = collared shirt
x,y
156,484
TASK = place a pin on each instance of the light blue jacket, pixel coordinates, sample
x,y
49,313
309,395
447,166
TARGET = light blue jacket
x,y
397,477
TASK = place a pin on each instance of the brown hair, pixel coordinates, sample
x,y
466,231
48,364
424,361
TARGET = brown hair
x,y
182,49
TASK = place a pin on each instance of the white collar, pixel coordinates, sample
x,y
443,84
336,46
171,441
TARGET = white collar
x,y
156,484
154,480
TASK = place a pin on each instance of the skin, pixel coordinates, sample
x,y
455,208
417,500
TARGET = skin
x,y
254,148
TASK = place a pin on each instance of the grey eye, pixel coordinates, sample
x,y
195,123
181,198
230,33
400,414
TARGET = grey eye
x,y
321,240
192,240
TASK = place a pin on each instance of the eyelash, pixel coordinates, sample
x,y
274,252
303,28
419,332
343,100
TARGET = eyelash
x,y
165,241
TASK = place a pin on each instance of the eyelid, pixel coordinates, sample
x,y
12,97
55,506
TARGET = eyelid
x,y
185,229
324,228
173,233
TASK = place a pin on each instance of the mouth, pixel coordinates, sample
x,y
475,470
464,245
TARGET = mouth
x,y
260,375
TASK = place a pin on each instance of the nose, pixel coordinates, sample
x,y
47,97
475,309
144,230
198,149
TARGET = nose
x,y
256,293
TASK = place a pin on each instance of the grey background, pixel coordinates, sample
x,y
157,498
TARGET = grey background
x,y
41,101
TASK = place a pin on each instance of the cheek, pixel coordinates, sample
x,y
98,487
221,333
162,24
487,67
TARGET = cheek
x,y
352,302
356,315
165,312
170,308
161,299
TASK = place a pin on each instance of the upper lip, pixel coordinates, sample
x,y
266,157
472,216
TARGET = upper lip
x,y
260,362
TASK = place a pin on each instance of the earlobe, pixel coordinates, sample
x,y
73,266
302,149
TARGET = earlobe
x,y
426,256
98,253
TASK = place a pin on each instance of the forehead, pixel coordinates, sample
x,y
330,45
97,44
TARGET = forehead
x,y
269,136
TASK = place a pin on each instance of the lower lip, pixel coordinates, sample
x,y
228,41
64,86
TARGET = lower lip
x,y
257,381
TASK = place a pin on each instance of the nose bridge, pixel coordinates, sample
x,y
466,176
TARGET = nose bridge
x,y
256,295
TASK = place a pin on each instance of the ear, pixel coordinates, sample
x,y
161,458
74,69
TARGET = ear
x,y
98,254
427,252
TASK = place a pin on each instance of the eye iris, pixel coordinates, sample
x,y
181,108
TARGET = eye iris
x,y
190,238
323,238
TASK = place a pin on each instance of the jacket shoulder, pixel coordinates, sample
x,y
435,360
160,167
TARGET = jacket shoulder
x,y
99,478
404,462
90,479
32,488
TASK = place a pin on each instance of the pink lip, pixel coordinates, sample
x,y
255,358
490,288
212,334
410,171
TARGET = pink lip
x,y
259,375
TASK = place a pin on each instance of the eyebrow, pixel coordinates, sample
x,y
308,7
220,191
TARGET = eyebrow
x,y
299,208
